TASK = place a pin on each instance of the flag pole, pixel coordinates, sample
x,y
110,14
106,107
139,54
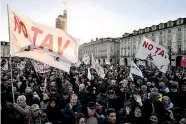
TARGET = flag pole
x,y
12,79
10,56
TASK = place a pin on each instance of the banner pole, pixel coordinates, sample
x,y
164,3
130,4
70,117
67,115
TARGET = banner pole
x,y
12,79
10,56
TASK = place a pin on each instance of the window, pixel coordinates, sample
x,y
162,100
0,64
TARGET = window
x,y
179,29
179,21
152,34
161,32
169,31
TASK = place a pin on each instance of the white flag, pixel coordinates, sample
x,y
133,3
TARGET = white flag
x,y
101,72
77,64
24,32
155,53
89,74
135,70
107,62
93,61
5,67
131,77
40,67
86,59
46,58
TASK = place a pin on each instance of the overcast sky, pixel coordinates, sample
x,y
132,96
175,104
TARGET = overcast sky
x,y
88,19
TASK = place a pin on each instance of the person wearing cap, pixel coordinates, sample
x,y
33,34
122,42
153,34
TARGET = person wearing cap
x,y
174,94
36,115
91,109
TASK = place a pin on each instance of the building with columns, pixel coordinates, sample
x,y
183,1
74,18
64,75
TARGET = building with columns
x,y
103,49
171,35
5,49
61,21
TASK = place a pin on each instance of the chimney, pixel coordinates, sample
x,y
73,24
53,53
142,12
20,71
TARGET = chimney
x,y
65,14
96,39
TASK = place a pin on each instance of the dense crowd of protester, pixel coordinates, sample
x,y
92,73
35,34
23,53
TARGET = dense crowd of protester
x,y
59,97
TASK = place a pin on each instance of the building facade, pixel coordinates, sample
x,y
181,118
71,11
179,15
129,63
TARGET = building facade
x,y
104,49
5,49
61,21
171,35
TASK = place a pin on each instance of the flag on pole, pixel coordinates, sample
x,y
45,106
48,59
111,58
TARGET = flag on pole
x,y
89,74
131,77
107,62
93,61
86,59
101,72
5,67
153,52
135,70
77,64
51,46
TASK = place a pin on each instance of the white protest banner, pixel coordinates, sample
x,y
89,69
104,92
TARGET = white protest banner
x,y
24,32
154,53
21,65
135,70
86,59
40,67
46,58
77,64
5,67
107,62
89,74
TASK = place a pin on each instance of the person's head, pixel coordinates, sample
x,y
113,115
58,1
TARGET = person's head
x,y
81,87
14,89
143,88
154,119
52,83
161,84
80,118
165,100
32,83
28,91
53,91
154,96
113,82
21,100
35,110
6,84
73,99
149,84
99,105
52,103
182,120
45,97
30,78
91,109
70,90
184,86
111,115
132,86
137,112
65,95
42,87
174,86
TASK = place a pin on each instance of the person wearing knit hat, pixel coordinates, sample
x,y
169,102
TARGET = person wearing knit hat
x,y
37,116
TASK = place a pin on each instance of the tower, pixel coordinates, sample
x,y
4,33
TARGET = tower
x,y
61,20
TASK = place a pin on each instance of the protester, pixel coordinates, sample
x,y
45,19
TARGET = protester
x,y
58,97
